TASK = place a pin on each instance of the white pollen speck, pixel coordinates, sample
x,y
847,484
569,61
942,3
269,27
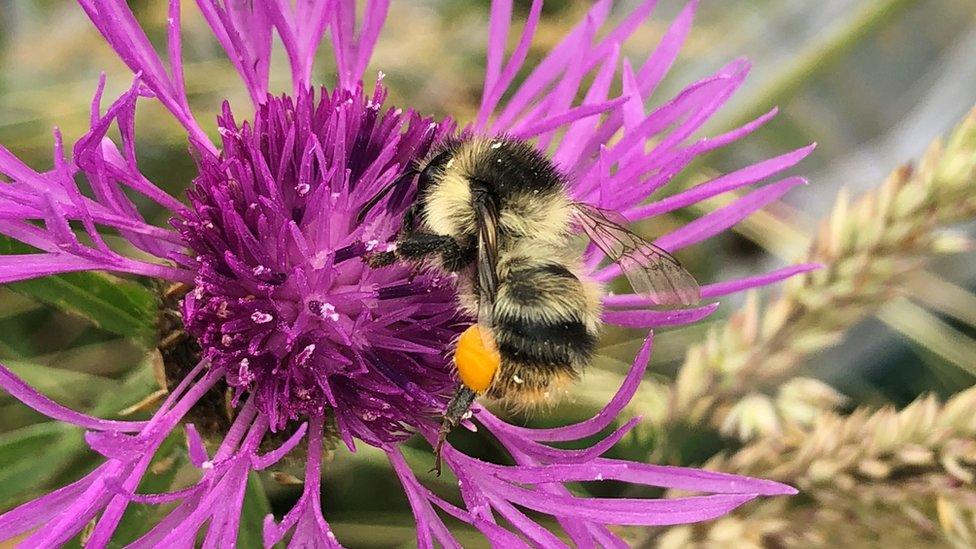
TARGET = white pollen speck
x,y
467,415
335,196
517,379
391,247
206,465
327,310
305,354
371,244
318,260
496,145
226,340
380,75
260,270
302,189
260,317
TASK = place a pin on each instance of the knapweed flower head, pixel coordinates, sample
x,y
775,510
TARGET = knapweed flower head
x,y
313,346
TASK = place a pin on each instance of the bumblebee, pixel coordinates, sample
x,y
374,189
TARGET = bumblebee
x,y
497,212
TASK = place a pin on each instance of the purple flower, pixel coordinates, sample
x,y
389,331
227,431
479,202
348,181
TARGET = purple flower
x,y
313,344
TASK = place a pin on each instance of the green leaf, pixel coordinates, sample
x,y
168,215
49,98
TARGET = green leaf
x,y
21,472
137,385
113,304
256,507
18,333
66,387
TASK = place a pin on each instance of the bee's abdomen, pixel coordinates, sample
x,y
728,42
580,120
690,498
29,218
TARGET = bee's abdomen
x,y
541,329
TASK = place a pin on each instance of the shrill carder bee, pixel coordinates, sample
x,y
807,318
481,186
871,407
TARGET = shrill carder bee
x,y
497,212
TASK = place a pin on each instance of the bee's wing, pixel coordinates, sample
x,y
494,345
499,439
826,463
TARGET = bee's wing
x,y
486,214
652,272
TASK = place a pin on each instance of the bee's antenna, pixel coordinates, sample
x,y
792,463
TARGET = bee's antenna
x,y
372,202
456,409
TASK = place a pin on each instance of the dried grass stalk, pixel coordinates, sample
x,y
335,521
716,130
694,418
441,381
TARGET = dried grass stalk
x,y
866,246
881,479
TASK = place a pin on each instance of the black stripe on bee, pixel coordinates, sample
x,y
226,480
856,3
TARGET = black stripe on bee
x,y
532,286
534,341
538,316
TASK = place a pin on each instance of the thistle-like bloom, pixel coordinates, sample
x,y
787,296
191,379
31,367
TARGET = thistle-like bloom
x,y
312,344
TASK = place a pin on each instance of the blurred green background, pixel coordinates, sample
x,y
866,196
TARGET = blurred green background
x,y
871,81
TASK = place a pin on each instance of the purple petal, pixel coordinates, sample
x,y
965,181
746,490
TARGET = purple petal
x,y
528,527
663,476
274,456
728,182
559,455
732,286
195,447
30,515
428,522
33,399
600,421
498,26
115,21
653,319
659,62
27,266
567,117
490,100
551,67
715,222
244,32
626,511
311,528
719,289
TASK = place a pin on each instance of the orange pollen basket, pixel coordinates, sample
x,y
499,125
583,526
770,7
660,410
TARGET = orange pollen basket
x,y
475,362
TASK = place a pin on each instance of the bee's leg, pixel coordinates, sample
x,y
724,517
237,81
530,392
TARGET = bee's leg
x,y
457,408
380,259
457,257
454,256
422,245
418,246
384,259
